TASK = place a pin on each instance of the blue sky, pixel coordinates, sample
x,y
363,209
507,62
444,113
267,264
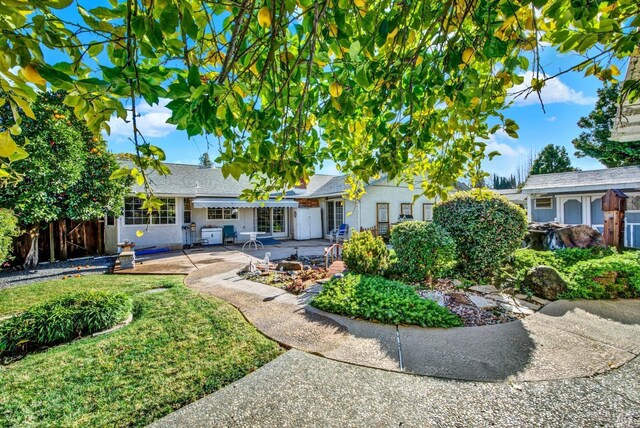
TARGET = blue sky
x,y
566,99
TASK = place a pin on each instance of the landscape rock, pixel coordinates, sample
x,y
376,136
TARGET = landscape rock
x,y
436,296
522,310
456,283
532,306
501,298
460,299
484,289
482,303
540,300
545,281
552,236
289,265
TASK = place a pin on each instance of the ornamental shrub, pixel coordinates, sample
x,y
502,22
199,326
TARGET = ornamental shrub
x,y
8,230
61,320
366,254
617,275
425,251
486,228
379,299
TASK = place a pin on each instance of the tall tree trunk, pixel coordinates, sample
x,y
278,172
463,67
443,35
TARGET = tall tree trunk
x,y
31,260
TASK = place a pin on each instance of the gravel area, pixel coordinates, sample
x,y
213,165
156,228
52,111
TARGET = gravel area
x,y
57,270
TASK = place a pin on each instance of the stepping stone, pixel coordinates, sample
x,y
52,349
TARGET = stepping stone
x,y
540,300
484,289
529,305
482,303
501,298
522,296
436,296
516,309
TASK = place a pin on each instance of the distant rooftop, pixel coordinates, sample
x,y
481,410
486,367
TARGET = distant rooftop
x,y
627,177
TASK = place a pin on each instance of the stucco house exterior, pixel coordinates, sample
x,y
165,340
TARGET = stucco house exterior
x,y
202,196
574,198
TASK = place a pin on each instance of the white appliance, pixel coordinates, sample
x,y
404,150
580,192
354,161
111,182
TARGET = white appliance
x,y
212,234
307,223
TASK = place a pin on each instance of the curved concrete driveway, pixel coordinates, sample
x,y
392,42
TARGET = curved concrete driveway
x,y
563,340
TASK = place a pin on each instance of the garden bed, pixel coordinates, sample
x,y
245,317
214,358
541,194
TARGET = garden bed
x,y
295,281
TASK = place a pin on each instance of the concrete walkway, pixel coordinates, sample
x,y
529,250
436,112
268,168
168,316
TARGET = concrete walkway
x,y
302,390
563,340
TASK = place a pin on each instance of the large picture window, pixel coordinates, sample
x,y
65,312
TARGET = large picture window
x,y
135,214
222,213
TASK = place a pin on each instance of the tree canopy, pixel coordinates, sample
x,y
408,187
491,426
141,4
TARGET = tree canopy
x,y
400,87
552,159
594,141
67,173
205,160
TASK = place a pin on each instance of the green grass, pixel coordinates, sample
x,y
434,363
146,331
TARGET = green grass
x,y
180,347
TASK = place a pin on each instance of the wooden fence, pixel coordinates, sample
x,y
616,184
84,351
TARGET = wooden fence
x,y
70,239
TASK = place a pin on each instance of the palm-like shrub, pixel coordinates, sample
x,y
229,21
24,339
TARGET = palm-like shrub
x,y
363,253
486,227
424,250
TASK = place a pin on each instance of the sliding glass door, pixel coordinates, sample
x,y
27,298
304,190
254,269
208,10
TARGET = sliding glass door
x,y
335,214
272,221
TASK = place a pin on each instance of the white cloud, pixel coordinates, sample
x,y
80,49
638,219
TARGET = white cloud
x,y
152,122
502,143
551,119
554,92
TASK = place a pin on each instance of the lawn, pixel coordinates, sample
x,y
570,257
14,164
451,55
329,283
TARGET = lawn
x,y
180,346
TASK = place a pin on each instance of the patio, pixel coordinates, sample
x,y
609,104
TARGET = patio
x,y
184,262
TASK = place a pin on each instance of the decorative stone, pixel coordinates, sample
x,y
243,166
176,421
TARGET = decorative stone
x,y
482,303
436,296
460,298
127,260
522,296
529,305
288,265
516,309
484,289
501,298
540,300
545,281
456,283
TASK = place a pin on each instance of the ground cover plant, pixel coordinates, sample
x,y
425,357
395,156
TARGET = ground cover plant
x,y
179,347
62,319
363,253
486,228
378,299
424,251
593,273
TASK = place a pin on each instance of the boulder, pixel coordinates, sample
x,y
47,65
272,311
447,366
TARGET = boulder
x,y
289,265
545,281
552,236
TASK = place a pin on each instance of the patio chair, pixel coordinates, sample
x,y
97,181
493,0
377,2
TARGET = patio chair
x,y
229,234
340,234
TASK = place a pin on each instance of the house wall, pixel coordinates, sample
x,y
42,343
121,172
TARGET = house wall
x,y
154,235
244,223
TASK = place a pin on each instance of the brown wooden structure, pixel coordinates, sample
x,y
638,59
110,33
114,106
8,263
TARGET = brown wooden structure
x,y
67,238
614,204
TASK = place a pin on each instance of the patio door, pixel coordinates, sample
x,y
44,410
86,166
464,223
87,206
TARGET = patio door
x,y
382,218
271,221
335,214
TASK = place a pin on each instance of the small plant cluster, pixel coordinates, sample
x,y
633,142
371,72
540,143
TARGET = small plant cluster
x,y
366,254
486,228
378,299
425,251
593,273
61,320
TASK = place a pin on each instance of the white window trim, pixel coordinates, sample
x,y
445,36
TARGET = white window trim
x,y
536,207
224,210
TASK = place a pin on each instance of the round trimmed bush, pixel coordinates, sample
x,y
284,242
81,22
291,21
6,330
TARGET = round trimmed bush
x,y
424,251
62,319
486,228
363,253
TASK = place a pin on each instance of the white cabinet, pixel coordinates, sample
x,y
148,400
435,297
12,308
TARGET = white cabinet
x,y
307,223
212,234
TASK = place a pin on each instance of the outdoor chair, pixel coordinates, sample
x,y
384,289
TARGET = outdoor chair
x,y
229,234
337,235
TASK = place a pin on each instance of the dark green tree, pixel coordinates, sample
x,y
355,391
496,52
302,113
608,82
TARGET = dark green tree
x,y
66,174
205,160
552,159
594,141
500,182
8,230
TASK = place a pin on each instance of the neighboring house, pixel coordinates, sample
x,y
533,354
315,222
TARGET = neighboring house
x,y
574,198
513,195
202,196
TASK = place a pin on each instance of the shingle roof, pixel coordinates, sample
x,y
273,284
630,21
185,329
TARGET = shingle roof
x,y
195,180
627,177
511,194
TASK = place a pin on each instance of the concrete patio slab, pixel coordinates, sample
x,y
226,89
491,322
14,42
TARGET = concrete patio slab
x,y
302,390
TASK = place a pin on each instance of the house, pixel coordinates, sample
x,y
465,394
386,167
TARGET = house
x,y
574,198
202,197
